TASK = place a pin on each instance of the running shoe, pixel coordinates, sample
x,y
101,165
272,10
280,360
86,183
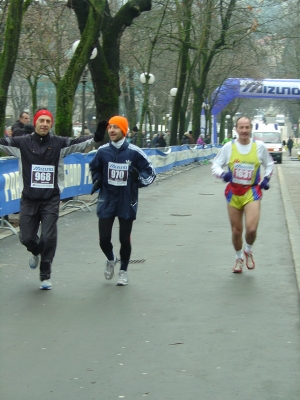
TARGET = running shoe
x,y
250,263
123,278
46,285
110,267
238,268
34,261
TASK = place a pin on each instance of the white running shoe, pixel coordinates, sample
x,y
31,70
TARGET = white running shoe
x,y
110,269
238,268
250,263
46,285
123,278
34,261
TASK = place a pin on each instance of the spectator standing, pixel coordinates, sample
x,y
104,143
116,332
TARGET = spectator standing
x,y
207,139
118,169
185,139
161,141
227,139
28,129
168,137
290,144
191,137
200,140
24,119
134,135
128,137
154,140
8,132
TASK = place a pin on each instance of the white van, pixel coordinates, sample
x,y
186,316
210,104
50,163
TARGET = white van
x,y
270,135
280,119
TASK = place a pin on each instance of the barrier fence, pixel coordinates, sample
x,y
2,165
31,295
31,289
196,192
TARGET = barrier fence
x,y
77,176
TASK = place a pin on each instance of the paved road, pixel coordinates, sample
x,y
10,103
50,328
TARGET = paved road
x,y
185,327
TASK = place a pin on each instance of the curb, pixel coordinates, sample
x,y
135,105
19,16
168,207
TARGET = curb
x,y
292,224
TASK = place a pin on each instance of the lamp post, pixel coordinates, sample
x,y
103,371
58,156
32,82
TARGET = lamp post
x,y
93,55
83,81
228,130
146,79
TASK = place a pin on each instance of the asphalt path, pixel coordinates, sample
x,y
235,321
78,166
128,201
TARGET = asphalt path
x,y
184,328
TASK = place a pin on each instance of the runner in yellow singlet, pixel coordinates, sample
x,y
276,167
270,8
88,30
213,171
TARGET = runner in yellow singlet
x,y
244,158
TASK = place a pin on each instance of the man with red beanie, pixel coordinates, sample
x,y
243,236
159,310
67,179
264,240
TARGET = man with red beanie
x,y
40,158
118,169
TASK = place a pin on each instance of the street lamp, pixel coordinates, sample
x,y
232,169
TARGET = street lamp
x,y
147,79
83,81
173,92
93,53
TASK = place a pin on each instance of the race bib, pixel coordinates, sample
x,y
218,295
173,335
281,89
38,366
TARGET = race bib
x,y
242,173
117,174
42,176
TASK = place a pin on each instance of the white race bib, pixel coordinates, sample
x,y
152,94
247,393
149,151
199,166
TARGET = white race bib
x,y
242,173
117,174
42,176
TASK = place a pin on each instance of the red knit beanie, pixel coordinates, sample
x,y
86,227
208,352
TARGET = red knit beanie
x,y
121,122
42,112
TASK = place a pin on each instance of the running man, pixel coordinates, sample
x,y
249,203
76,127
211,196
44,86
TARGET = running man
x,y
118,169
244,158
40,162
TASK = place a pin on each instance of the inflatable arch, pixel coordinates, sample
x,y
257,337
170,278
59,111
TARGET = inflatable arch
x,y
285,89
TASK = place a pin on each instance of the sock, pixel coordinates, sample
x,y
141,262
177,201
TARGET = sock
x,y
124,265
248,248
239,254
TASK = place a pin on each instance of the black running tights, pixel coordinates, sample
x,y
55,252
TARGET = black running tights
x,y
105,231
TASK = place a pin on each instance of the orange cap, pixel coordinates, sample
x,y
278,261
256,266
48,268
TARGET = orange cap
x,y
121,122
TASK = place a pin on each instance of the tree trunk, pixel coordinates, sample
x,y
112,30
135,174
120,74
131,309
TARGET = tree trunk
x,y
66,88
187,4
16,10
105,67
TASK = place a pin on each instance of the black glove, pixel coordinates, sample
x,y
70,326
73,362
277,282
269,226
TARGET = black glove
x,y
134,173
100,131
226,176
96,186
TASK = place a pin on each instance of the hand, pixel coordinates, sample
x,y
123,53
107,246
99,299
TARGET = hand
x,y
100,131
96,186
264,184
134,173
226,176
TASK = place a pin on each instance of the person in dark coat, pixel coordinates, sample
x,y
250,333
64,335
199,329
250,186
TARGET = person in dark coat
x,y
134,135
28,129
161,141
24,119
118,169
290,144
40,159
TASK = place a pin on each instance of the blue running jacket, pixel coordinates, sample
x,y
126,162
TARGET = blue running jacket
x,y
118,195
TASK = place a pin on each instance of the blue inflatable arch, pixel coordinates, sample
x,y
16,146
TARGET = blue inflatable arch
x,y
285,89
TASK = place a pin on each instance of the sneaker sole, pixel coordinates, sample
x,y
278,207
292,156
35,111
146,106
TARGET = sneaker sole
x,y
45,288
122,284
237,271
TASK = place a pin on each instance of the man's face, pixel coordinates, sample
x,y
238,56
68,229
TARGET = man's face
x,y
25,119
244,128
114,132
43,125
